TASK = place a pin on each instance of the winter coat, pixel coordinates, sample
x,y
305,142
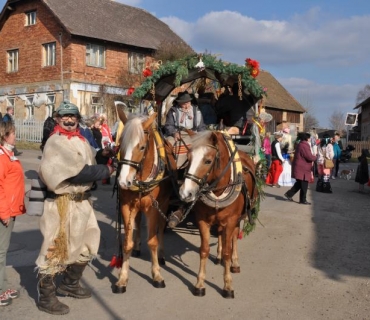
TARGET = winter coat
x,y
302,163
362,173
325,152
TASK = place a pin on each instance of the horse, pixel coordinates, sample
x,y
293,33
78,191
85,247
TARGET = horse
x,y
221,185
144,181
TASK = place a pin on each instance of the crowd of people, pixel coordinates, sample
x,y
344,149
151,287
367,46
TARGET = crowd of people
x,y
297,165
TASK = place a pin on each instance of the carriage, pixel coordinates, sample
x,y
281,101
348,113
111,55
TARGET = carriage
x,y
223,189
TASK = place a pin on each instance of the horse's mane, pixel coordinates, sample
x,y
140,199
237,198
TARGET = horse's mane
x,y
133,130
200,139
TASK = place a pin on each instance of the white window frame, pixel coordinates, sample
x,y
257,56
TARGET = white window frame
x,y
12,60
49,54
136,62
97,106
95,55
30,18
30,107
50,105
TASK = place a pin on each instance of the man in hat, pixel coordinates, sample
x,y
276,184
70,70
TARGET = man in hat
x,y
69,226
183,115
276,167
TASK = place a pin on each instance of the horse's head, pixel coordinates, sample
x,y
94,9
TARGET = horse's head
x,y
134,147
203,164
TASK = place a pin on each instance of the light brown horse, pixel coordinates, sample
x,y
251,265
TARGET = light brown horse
x,y
222,182
144,187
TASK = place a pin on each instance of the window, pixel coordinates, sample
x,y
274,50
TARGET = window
x,y
30,18
97,105
50,105
95,55
10,102
30,107
136,62
48,51
13,60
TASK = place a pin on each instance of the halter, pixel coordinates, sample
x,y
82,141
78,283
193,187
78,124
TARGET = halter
x,y
158,175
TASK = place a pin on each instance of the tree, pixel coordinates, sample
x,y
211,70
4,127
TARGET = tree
x,y
363,94
309,122
337,121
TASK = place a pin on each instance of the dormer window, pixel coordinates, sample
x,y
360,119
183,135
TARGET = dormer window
x,y
30,18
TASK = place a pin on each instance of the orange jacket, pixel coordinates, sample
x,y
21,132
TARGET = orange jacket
x,y
11,186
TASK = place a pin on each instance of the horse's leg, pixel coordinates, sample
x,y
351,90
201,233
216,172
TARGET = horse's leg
x,y
161,227
152,222
204,230
235,266
136,252
219,245
128,244
227,236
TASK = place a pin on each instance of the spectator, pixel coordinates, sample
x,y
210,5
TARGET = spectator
x,y
266,145
276,167
301,169
48,128
362,172
96,131
324,151
337,153
11,202
9,117
69,226
107,139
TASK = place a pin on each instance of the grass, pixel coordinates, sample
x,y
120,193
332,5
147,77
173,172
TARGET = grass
x,y
25,145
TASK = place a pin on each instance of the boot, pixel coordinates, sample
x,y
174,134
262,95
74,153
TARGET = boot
x,y
326,187
70,285
176,218
48,302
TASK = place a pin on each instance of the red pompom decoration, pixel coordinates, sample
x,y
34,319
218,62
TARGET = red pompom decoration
x,y
147,72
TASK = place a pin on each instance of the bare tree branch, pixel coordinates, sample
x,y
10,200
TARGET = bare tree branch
x,y
337,121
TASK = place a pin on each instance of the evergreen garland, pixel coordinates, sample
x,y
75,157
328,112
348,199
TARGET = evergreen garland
x,y
181,68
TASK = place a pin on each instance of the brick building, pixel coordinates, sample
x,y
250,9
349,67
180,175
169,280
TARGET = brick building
x,y
72,49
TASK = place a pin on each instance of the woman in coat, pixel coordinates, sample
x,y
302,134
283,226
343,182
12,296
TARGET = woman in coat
x,y
301,169
324,151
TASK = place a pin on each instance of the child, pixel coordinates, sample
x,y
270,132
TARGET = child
x,y
362,173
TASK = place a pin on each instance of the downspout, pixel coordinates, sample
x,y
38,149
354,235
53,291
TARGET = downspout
x,y
61,63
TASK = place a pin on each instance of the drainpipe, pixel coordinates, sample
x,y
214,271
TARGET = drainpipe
x,y
61,63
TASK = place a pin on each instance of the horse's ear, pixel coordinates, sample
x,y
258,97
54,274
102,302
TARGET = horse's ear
x,y
150,120
121,114
214,139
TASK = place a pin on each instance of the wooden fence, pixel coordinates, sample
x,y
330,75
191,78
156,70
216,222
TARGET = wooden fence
x,y
29,130
359,145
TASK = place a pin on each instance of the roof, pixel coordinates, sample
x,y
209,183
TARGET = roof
x,y
277,96
363,103
110,21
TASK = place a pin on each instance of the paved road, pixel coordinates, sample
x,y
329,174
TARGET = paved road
x,y
301,262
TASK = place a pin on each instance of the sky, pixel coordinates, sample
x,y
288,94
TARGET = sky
x,y
318,50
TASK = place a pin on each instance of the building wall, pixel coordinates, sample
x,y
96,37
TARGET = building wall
x,y
32,78
365,122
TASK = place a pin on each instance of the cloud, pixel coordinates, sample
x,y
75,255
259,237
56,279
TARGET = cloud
x,y
304,39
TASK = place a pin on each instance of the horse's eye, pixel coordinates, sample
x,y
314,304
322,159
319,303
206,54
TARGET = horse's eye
x,y
142,148
208,162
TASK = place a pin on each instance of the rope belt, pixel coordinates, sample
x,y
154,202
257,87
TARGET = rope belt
x,y
78,197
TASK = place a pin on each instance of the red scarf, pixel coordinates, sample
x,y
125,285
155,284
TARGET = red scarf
x,y
69,134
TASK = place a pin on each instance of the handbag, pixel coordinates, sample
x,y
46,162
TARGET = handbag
x,y
328,164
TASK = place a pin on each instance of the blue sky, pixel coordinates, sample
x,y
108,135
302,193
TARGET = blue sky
x,y
318,50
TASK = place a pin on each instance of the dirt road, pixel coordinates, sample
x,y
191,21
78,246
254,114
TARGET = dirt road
x,y
304,262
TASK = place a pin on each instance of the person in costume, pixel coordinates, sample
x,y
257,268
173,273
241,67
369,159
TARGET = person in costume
x,y
11,201
183,115
68,224
285,178
301,169
276,167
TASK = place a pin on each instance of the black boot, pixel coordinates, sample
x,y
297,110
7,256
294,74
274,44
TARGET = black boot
x,y
326,187
70,285
48,301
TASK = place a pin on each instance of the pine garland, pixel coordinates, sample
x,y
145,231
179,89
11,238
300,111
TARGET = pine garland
x,y
180,68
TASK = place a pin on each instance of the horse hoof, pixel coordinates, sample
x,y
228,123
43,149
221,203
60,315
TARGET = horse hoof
x,y
235,269
161,261
218,261
135,253
228,294
159,284
199,292
118,289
